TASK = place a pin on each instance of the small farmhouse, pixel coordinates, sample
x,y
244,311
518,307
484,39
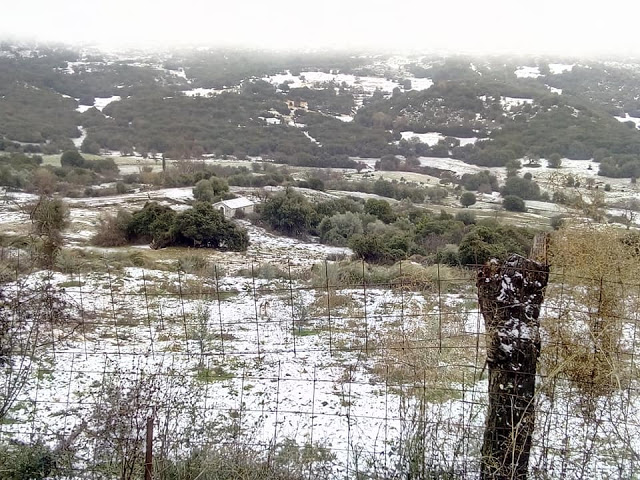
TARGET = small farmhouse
x,y
235,206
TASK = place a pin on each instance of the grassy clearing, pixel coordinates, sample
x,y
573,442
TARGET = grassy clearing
x,y
407,275
595,299
330,301
430,352
289,461
307,331
399,176
214,374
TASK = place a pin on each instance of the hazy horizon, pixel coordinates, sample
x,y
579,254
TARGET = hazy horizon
x,y
487,27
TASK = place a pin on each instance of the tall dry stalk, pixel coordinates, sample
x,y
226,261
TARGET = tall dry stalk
x,y
595,270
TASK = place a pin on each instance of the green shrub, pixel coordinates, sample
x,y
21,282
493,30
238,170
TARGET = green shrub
x,y
72,158
468,218
557,221
513,203
288,212
467,199
26,462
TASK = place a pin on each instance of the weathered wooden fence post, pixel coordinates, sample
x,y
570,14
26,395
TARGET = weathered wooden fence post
x,y
148,457
510,296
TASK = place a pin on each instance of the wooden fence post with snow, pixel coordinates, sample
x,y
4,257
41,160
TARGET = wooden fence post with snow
x,y
510,295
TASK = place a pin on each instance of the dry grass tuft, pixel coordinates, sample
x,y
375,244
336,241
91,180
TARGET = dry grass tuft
x,y
595,294
409,275
432,352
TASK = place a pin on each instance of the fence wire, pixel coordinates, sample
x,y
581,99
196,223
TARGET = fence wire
x,y
329,372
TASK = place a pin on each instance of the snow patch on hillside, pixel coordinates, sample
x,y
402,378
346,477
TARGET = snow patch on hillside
x,y
432,138
629,118
508,102
559,68
528,72
99,103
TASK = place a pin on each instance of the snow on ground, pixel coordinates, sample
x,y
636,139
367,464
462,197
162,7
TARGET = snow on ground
x,y
528,72
178,73
536,206
9,198
420,83
203,92
632,216
457,166
173,195
271,120
277,364
264,361
370,163
363,195
100,103
508,102
71,66
85,212
582,168
558,68
270,247
432,138
629,118
367,84
77,142
466,141
306,134
554,90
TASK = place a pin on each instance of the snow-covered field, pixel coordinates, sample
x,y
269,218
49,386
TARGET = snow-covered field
x,y
100,103
280,358
267,357
204,92
366,84
432,138
271,360
508,102
528,72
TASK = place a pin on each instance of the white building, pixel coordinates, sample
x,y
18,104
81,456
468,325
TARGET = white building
x,y
231,207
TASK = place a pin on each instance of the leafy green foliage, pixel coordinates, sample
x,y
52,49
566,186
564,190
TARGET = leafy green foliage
x,y
521,187
200,226
384,247
487,241
72,158
513,203
554,160
49,217
152,225
26,462
339,228
483,181
288,212
380,209
206,190
204,226
619,166
29,113
16,169
467,199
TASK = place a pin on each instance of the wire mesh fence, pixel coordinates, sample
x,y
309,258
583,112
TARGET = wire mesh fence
x,y
342,370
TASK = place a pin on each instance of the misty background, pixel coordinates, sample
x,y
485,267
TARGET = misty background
x,y
488,26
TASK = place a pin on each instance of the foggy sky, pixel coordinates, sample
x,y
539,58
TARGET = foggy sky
x,y
469,26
